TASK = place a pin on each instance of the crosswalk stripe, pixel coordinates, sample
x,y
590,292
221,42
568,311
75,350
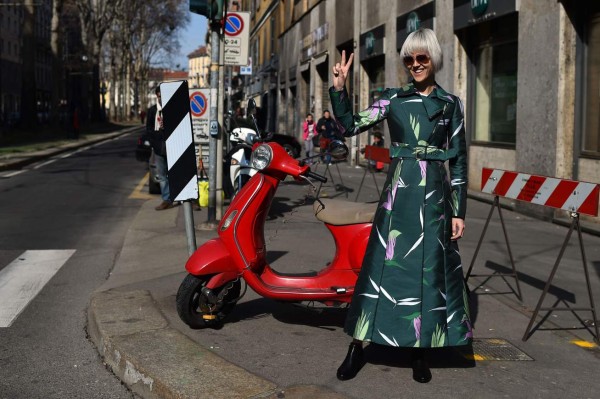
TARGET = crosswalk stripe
x,y
25,277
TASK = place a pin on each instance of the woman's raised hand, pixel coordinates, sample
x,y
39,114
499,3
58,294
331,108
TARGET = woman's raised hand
x,y
340,71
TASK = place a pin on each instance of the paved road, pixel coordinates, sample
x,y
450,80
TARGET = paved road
x,y
62,224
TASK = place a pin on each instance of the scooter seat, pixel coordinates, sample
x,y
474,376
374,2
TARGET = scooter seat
x,y
339,212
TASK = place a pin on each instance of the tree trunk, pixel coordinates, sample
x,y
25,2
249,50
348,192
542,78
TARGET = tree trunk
x,y
28,87
57,65
127,88
95,89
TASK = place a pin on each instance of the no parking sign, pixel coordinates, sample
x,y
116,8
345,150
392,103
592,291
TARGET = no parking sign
x,y
199,106
198,103
237,38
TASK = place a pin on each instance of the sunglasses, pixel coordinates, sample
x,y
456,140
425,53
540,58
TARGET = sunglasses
x,y
422,59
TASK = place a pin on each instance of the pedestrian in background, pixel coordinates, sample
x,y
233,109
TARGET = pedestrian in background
x,y
327,129
156,135
410,291
308,133
378,141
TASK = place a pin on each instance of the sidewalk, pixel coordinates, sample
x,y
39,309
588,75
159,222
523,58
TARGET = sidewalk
x,y
272,350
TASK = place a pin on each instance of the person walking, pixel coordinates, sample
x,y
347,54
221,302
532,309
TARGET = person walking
x,y
410,291
308,133
156,135
327,129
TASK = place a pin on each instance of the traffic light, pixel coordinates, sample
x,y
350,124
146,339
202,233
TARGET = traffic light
x,y
211,9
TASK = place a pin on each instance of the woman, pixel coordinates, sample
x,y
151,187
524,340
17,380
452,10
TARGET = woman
x,y
410,292
308,132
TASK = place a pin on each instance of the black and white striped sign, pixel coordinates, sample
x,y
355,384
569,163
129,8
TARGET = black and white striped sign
x,y
181,154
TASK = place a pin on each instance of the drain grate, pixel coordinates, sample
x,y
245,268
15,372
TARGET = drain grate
x,y
496,349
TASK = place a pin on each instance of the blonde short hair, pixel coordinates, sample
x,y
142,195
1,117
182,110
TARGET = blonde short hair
x,y
424,40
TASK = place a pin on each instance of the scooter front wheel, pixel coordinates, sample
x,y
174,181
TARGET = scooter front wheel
x,y
199,307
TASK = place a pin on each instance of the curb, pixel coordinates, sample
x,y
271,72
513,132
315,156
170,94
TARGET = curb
x,y
156,361
43,154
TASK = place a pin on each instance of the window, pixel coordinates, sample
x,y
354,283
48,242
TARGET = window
x,y
591,116
494,80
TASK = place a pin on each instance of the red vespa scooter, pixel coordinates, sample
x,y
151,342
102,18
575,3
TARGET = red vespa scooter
x,y
212,287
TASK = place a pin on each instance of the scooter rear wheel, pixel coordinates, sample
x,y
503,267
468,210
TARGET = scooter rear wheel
x,y
194,307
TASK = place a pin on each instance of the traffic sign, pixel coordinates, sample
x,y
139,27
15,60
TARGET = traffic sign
x,y
247,70
234,24
198,104
236,40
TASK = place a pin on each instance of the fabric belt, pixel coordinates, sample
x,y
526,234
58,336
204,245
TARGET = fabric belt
x,y
420,152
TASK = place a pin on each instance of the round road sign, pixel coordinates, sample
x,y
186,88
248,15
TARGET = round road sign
x,y
234,24
198,104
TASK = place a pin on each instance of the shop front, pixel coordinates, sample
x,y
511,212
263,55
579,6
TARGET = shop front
x,y
489,31
587,99
372,59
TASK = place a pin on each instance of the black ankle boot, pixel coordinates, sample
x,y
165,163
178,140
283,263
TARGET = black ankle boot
x,y
421,372
353,362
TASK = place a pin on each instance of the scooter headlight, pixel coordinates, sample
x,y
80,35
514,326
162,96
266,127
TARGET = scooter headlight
x,y
261,157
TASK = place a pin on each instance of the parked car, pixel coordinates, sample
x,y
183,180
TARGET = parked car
x,y
144,153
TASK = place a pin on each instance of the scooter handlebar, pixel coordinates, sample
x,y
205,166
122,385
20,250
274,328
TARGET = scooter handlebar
x,y
316,176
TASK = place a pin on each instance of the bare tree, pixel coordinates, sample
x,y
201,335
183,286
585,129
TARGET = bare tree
x,y
143,34
57,66
28,117
96,16
156,42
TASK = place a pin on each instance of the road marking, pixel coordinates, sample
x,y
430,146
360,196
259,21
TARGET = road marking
x,y
583,344
17,172
25,277
45,163
137,191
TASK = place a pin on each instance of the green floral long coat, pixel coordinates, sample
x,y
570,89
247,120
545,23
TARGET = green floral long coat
x,y
410,291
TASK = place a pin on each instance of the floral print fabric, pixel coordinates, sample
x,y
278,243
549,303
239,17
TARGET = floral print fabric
x,y
410,291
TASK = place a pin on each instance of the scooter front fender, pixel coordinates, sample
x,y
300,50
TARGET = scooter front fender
x,y
211,258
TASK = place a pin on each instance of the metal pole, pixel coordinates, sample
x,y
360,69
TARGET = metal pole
x,y
213,141
219,162
549,282
189,227
512,261
587,280
487,222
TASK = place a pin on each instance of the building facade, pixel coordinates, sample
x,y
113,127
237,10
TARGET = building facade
x,y
528,72
199,67
11,22
12,49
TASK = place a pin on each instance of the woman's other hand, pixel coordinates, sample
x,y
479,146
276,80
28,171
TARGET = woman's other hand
x,y
340,71
458,228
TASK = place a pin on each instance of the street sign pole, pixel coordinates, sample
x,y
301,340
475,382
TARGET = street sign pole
x,y
219,196
214,127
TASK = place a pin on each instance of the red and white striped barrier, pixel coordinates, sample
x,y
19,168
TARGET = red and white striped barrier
x,y
570,195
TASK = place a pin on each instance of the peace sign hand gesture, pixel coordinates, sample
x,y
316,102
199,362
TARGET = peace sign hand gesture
x,y
340,71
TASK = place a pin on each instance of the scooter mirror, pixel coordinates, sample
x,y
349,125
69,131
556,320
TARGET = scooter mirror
x,y
251,107
338,149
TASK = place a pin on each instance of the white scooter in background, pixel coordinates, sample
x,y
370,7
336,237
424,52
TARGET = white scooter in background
x,y
237,159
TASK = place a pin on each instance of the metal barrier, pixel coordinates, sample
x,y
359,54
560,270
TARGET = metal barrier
x,y
573,196
374,154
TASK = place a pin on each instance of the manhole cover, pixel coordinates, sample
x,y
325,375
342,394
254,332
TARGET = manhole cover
x,y
496,349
